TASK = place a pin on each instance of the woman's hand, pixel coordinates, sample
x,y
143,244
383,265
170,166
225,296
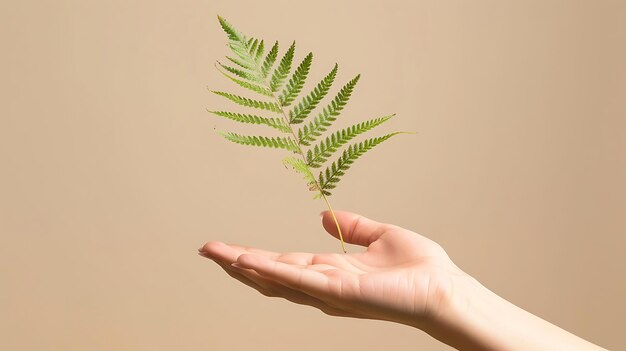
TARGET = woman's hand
x,y
402,276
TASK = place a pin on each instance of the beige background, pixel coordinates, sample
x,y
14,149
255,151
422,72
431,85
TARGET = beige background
x,y
111,174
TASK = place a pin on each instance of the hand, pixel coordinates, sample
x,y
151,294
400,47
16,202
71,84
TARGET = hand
x,y
402,276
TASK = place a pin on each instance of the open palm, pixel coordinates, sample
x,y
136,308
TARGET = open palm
x,y
402,276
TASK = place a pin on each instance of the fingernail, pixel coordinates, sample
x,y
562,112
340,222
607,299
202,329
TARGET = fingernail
x,y
322,214
236,265
201,248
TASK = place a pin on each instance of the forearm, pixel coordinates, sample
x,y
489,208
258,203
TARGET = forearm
x,y
477,319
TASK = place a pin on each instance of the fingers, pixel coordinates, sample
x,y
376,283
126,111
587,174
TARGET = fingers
x,y
355,228
309,281
219,252
228,253
225,255
272,289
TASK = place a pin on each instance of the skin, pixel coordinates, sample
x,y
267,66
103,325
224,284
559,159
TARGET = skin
x,y
401,277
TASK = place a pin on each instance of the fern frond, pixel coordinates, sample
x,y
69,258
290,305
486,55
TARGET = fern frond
x,y
331,176
250,86
249,51
303,169
281,72
263,105
252,46
241,63
320,153
232,33
309,102
253,67
255,49
241,49
270,58
274,142
258,53
275,123
295,84
244,74
329,114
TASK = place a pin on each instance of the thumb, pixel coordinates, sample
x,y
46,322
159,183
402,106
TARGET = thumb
x,y
355,228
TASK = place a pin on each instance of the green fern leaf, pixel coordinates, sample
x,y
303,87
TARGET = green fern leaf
x,y
258,53
255,50
328,146
309,102
302,168
232,33
268,63
250,86
241,63
329,114
244,74
257,70
252,46
331,176
241,50
274,142
295,84
275,123
263,105
249,51
281,72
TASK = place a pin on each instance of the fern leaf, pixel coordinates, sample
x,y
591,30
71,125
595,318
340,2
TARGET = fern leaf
x,y
241,50
329,114
258,53
263,105
244,74
320,153
252,46
295,84
281,72
250,86
274,142
241,63
302,168
232,33
249,51
309,102
275,123
332,175
268,63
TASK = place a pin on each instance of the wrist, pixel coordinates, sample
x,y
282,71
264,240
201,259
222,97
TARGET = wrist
x,y
462,314
472,317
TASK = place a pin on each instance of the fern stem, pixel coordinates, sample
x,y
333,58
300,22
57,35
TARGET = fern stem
x,y
336,223
296,140
317,185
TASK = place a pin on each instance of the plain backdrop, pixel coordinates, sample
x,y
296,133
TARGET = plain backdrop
x,y
111,173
